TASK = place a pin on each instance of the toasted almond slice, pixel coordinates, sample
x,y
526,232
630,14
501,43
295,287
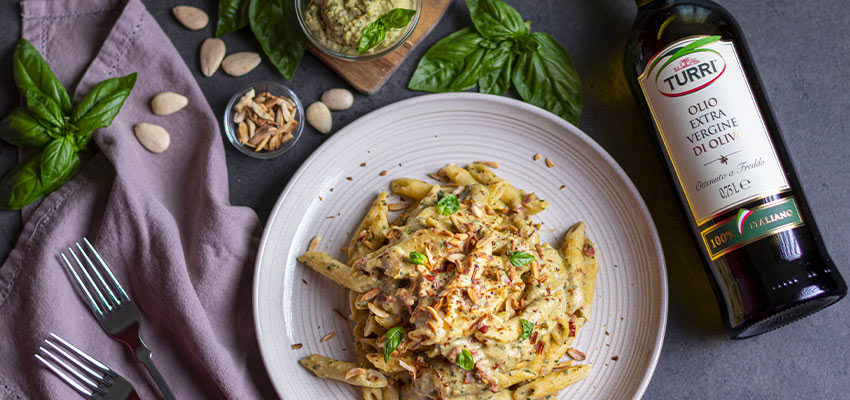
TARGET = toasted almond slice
x,y
576,354
383,173
354,372
491,164
243,102
476,211
327,337
370,294
314,244
538,156
262,144
339,314
258,109
278,118
287,114
296,346
242,132
239,117
396,206
562,365
549,163
408,367
437,177
377,310
252,128
286,137
275,142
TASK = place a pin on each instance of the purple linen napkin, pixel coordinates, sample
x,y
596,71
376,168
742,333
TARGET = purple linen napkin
x,y
163,222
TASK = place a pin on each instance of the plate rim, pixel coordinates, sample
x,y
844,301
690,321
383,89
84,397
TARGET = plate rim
x,y
471,96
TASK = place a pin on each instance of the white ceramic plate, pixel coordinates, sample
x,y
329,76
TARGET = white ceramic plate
x,y
330,193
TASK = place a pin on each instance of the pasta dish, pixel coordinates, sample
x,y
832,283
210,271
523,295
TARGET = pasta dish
x,y
457,298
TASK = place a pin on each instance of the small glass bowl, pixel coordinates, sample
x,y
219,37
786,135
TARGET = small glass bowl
x,y
300,11
278,90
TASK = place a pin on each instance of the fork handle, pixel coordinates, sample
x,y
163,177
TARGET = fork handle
x,y
143,354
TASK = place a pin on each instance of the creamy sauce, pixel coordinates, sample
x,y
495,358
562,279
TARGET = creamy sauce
x,y
338,24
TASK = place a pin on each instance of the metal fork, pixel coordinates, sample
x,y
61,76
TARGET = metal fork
x,y
91,379
115,311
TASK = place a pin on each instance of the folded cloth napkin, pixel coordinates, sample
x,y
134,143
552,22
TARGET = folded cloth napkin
x,y
163,223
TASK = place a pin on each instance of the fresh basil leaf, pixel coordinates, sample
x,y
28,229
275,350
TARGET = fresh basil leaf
x,y
279,33
527,328
32,73
21,129
495,19
448,204
372,36
394,337
417,258
526,43
397,18
546,78
46,111
496,69
232,16
453,64
56,158
520,258
21,186
100,106
465,360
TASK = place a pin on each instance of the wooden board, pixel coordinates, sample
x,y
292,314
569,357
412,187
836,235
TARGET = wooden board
x,y
369,76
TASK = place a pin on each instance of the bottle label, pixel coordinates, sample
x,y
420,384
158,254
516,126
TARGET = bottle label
x,y
711,126
751,225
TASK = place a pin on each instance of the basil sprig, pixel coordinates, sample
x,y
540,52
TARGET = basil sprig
x,y
465,360
448,204
498,51
520,258
49,121
527,328
374,33
394,338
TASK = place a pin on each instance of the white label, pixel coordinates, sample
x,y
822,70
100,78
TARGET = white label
x,y
711,126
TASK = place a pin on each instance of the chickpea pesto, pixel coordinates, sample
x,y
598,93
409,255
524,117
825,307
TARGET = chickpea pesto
x,y
339,24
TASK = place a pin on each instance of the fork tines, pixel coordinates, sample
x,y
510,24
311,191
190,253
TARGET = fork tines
x,y
102,294
76,368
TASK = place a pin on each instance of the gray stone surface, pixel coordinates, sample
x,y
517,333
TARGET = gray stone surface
x,y
802,53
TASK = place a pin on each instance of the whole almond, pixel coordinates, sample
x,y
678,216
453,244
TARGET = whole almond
x,y
240,63
153,137
212,52
319,116
338,99
167,103
191,17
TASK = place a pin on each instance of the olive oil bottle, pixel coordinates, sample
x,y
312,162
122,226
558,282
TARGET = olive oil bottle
x,y
692,75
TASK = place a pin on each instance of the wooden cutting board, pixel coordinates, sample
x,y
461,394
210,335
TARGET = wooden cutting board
x,y
369,76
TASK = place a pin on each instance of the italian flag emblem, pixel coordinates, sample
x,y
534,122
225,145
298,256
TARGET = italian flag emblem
x,y
743,214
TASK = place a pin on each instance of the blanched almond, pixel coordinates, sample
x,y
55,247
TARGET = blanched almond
x,y
191,17
338,99
241,63
167,103
153,137
212,52
319,116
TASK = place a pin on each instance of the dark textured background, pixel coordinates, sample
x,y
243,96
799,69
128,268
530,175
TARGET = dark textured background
x,y
801,50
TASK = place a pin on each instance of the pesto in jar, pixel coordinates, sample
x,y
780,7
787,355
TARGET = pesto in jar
x,y
338,24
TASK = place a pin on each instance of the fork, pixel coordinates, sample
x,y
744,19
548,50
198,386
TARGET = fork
x,y
92,379
114,310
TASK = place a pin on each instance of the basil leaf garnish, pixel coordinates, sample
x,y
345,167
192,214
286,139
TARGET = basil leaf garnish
x,y
279,34
495,19
232,16
527,328
451,65
496,69
375,32
546,78
100,105
21,129
520,258
416,257
394,338
465,360
448,204
31,72
56,158
46,111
